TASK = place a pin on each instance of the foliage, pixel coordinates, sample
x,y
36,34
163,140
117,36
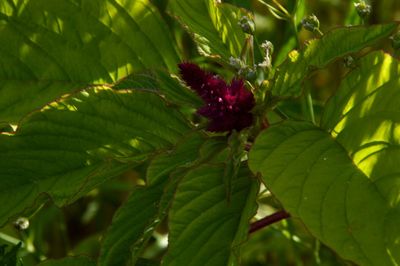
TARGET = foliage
x,y
123,143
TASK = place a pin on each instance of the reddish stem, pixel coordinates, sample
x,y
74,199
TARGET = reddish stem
x,y
268,220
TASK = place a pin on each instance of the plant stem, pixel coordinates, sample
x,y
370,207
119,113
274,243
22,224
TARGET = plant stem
x,y
268,220
281,8
243,53
251,51
296,32
310,107
9,239
319,32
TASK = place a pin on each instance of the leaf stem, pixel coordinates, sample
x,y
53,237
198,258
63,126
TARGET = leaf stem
x,y
268,220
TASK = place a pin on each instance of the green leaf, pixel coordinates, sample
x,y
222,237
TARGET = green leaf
x,y
320,52
73,145
10,257
342,180
164,84
69,261
242,3
206,228
364,118
352,17
316,181
135,221
49,48
131,224
214,26
145,262
184,155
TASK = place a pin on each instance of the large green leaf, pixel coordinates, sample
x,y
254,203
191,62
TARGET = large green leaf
x,y
342,180
205,227
316,181
320,52
364,118
213,25
73,145
49,48
135,221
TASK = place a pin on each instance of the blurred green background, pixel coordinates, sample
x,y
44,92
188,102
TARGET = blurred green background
x,y
77,228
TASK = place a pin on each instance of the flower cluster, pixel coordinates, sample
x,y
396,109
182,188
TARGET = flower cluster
x,y
227,106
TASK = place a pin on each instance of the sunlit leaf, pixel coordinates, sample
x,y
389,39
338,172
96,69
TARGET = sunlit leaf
x,y
364,118
213,25
320,52
315,180
49,48
342,180
73,145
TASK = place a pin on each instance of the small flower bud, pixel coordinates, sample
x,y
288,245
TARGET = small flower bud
x,y
310,23
396,40
21,223
236,63
363,9
247,25
348,61
265,85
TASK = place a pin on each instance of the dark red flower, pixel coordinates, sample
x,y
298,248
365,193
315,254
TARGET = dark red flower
x,y
227,106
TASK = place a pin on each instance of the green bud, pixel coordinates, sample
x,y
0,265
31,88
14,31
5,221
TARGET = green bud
x,y
310,23
247,25
396,40
21,223
348,61
363,9
236,63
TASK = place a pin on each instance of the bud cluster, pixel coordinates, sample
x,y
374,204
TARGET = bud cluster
x,y
310,23
247,25
363,9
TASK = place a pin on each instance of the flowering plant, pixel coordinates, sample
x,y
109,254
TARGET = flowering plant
x,y
196,132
